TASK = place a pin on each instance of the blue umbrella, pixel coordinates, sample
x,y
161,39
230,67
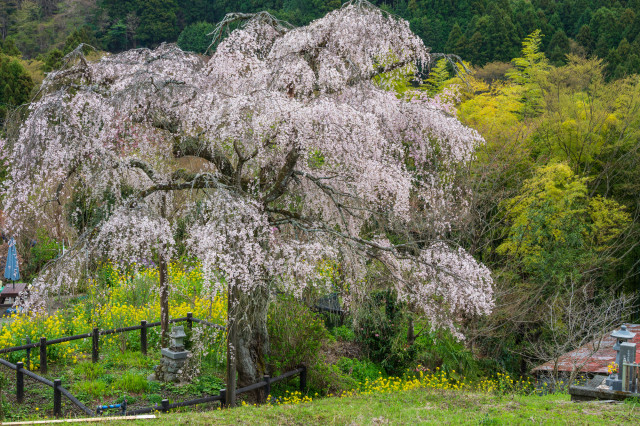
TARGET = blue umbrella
x,y
11,271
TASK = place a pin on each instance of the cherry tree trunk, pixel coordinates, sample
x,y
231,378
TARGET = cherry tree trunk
x,y
252,338
164,303
164,286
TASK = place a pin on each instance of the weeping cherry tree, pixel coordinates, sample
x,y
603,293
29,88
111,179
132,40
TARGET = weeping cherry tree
x,y
285,149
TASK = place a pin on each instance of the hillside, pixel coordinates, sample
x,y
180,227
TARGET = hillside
x,y
480,31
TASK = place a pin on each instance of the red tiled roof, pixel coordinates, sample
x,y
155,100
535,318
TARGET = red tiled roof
x,y
595,362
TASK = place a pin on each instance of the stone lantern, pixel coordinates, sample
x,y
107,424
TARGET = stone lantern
x,y
177,338
173,358
622,336
625,352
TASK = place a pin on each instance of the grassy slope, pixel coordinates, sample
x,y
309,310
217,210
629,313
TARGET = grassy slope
x,y
421,407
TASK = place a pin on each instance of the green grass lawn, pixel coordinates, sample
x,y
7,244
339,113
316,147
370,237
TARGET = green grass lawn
x,y
420,407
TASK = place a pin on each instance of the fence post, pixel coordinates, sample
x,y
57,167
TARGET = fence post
x,y
223,396
303,379
43,355
267,386
57,398
143,337
19,382
165,405
190,320
28,353
95,337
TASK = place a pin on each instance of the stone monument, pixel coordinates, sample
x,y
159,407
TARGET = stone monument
x,y
173,358
624,350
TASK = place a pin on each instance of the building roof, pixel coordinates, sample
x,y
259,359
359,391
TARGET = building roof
x,y
589,361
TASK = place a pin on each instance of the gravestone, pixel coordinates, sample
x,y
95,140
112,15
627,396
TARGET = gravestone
x,y
623,349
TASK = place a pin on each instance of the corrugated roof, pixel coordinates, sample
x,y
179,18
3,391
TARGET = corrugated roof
x,y
592,362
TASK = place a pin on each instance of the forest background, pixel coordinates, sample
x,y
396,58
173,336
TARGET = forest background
x,y
553,88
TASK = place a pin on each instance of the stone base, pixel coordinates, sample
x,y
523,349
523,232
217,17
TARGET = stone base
x,y
170,368
583,393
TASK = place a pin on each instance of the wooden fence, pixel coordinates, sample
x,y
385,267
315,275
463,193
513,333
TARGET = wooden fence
x,y
165,406
95,334
58,390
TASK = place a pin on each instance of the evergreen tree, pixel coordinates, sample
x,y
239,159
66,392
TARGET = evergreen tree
x,y
530,74
585,39
8,47
194,37
116,39
457,42
558,48
158,21
17,85
52,60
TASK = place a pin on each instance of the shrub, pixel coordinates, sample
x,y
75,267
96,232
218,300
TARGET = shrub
x,y
154,398
380,329
44,250
343,333
296,334
325,379
359,370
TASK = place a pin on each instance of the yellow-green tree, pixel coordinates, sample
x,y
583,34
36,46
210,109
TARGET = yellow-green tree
x,y
530,75
556,229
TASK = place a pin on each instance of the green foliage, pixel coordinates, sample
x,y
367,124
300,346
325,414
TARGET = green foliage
x,y
8,48
555,227
15,85
82,35
131,382
530,73
379,327
439,349
89,371
438,76
44,250
359,370
89,389
158,21
194,37
326,378
343,333
52,60
296,334
116,37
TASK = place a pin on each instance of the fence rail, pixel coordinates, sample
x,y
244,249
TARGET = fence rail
x,y
266,383
95,336
56,385
107,332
